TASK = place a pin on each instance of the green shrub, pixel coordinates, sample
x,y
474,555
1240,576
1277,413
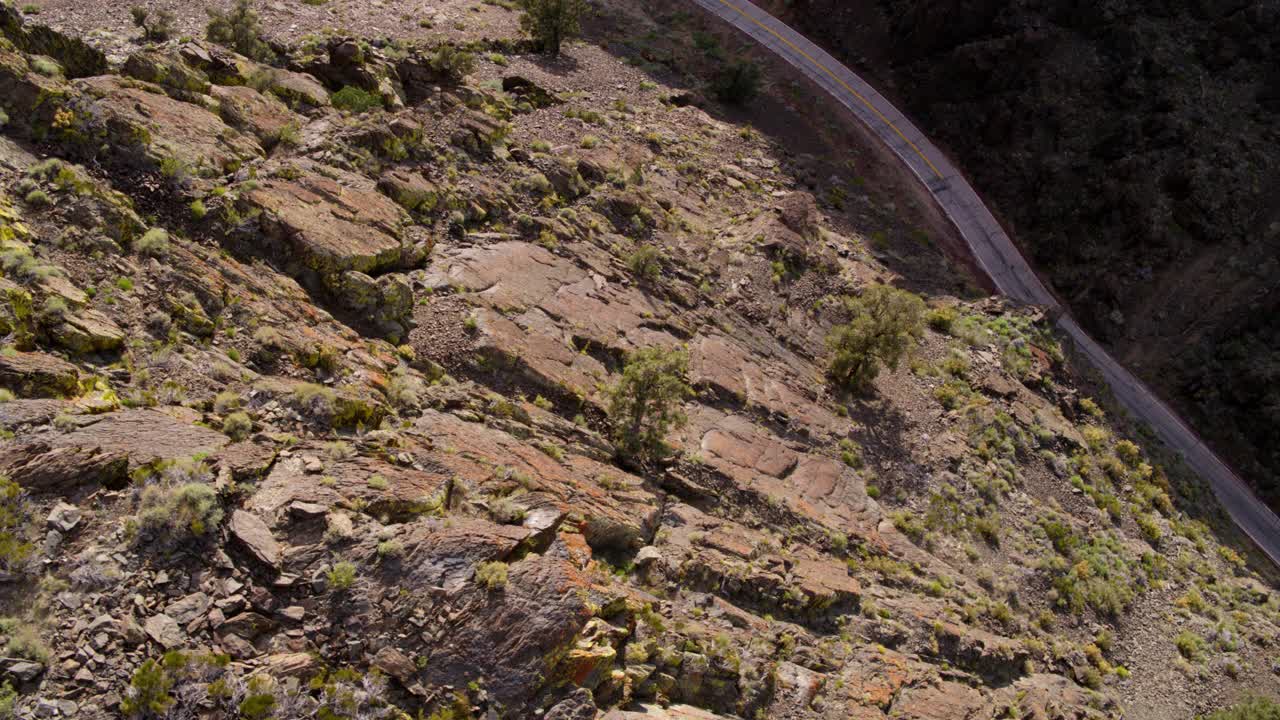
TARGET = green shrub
x,y
342,576
390,549
8,699
452,63
15,550
1258,708
25,642
1189,644
491,575
37,199
941,319
1149,527
354,100
237,426
239,29
158,27
645,263
645,402
551,22
738,83
153,243
884,321
190,508
148,693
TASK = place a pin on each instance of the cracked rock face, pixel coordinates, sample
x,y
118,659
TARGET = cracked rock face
x,y
322,404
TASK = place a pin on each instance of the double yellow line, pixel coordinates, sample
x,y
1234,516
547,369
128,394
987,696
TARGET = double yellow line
x,y
842,83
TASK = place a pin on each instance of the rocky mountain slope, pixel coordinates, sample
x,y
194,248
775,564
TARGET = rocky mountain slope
x,y
1131,148
307,380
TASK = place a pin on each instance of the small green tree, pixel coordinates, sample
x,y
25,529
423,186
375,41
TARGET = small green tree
x,y
148,695
239,29
738,83
883,324
551,22
644,404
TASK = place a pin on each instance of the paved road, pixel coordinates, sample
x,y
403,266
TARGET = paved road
x,y
997,254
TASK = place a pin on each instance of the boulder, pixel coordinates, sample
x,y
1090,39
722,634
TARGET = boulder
x,y
88,331
36,374
64,517
167,71
394,663
164,631
253,535
38,467
263,116
330,227
147,128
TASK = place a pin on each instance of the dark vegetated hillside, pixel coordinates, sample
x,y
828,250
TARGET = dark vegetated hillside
x,y
1132,149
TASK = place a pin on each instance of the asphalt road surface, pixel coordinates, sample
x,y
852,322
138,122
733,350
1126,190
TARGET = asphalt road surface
x,y
997,254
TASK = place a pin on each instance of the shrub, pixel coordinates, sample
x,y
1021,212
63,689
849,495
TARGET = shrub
x,y
239,29
1257,708
37,199
354,100
644,403
237,426
452,63
941,319
15,551
390,549
491,575
227,401
189,508
24,641
153,243
313,399
738,83
645,263
1189,644
1149,527
158,27
148,693
883,323
341,576
551,22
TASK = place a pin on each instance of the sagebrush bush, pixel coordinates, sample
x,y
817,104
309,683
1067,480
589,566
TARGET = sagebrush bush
x,y
645,263
237,426
452,63
491,575
187,509
153,243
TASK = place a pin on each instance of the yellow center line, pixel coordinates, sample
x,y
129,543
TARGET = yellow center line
x,y
835,77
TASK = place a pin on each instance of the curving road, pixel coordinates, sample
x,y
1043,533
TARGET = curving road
x,y
997,254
